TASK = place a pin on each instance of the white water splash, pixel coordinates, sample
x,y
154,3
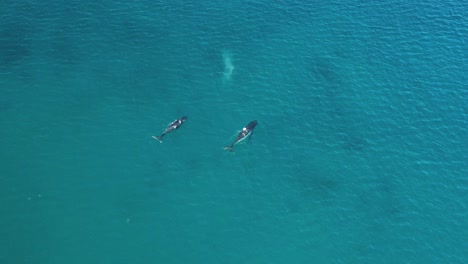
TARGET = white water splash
x,y
228,66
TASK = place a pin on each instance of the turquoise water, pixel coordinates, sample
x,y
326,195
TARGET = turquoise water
x,y
359,156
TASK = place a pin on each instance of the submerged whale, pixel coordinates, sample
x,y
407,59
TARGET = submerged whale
x,y
245,132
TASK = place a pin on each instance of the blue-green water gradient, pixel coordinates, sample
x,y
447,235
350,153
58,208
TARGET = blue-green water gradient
x,y
359,156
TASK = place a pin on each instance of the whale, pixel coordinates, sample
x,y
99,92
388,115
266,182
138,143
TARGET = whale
x,y
171,127
243,134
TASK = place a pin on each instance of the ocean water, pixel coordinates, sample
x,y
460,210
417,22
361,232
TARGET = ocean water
x,y
359,156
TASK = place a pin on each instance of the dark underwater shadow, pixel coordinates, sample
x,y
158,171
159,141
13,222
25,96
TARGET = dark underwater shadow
x,y
310,185
326,73
310,191
14,44
351,142
64,48
336,97
147,192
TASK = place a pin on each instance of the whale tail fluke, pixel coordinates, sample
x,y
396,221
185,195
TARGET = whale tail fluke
x,y
229,149
158,138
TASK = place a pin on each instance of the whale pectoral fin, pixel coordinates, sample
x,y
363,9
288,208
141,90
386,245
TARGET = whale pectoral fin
x,y
250,136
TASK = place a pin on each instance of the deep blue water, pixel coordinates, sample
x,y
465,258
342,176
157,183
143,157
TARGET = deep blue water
x,y
359,156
